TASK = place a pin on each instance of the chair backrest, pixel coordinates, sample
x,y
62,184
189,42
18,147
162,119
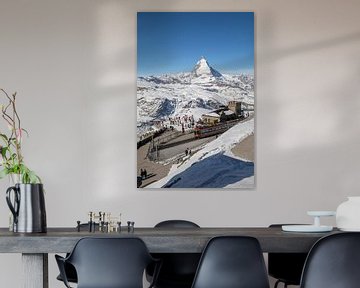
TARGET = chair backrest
x,y
176,224
286,267
232,262
178,269
333,262
110,262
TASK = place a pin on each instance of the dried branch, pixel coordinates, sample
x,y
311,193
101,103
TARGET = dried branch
x,y
10,153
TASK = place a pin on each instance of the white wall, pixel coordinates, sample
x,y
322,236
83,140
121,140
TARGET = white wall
x,y
73,64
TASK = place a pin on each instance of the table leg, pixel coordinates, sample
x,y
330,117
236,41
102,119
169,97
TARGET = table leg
x,y
35,270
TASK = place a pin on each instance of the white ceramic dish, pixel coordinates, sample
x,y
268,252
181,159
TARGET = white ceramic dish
x,y
321,213
306,228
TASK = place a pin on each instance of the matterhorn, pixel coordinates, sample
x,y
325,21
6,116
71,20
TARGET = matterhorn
x,y
203,72
202,68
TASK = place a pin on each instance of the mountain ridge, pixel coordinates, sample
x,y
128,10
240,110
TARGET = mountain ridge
x,y
189,93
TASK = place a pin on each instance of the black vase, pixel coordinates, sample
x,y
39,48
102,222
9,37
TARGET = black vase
x,y
28,208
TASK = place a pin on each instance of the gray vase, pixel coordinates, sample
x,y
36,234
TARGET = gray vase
x,y
27,204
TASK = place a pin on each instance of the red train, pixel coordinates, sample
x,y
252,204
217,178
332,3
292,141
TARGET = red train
x,y
202,131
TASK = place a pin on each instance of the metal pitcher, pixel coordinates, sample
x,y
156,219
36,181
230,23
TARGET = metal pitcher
x,y
28,207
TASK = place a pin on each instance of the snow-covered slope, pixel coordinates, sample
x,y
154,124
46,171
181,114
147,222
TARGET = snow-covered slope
x,y
189,93
214,166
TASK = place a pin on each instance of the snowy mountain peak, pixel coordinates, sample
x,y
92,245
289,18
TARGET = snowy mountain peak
x,y
202,67
188,93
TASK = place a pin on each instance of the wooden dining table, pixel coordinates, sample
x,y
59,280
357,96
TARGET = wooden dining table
x,y
35,247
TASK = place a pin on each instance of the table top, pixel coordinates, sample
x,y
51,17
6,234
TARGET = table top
x,y
158,240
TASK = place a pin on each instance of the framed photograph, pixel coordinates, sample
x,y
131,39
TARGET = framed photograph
x,y
195,100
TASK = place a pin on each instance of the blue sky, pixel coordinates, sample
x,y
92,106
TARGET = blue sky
x,y
171,42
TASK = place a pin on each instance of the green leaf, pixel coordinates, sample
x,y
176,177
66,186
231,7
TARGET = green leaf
x,y
27,175
4,137
26,132
4,173
3,151
33,178
13,156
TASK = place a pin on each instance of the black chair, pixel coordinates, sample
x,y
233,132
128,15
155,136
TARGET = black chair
x,y
178,269
70,273
232,262
286,267
333,262
108,262
176,224
69,269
